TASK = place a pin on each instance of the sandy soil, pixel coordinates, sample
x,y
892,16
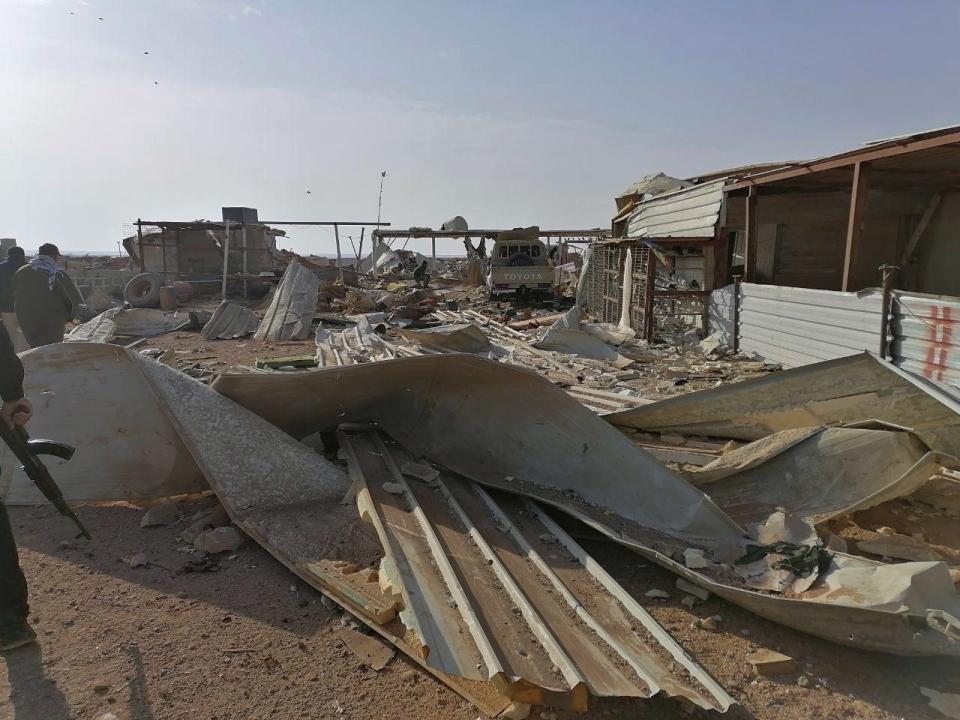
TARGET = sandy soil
x,y
250,641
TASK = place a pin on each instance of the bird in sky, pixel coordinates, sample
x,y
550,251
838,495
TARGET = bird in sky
x,y
309,192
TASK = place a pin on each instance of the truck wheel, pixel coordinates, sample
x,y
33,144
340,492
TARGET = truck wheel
x,y
143,290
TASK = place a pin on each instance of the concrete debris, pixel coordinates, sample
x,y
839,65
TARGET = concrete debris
x,y
711,623
137,560
393,488
693,558
689,601
420,471
207,520
691,589
770,662
218,540
657,594
162,514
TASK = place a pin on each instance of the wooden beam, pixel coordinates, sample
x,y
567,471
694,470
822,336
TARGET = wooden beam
x,y
750,236
849,158
921,228
858,205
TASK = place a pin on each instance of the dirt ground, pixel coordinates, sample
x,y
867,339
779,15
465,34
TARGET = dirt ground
x,y
250,641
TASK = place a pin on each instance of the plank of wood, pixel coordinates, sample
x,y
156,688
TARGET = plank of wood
x,y
925,219
370,650
353,588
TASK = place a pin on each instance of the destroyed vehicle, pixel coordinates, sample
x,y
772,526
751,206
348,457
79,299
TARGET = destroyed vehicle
x,y
520,264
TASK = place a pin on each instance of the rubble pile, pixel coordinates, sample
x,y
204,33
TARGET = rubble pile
x,y
424,442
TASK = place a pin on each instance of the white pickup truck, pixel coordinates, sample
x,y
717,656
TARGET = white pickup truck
x,y
519,264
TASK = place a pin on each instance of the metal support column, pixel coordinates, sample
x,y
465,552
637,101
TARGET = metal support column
x,y
143,267
336,234
226,260
886,283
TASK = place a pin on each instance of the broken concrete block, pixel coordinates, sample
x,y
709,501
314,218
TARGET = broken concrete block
x,y
695,590
136,560
393,488
836,543
218,540
711,623
213,518
657,593
770,662
420,471
693,558
689,600
162,514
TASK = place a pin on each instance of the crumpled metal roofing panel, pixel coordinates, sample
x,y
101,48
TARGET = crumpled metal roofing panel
x,y
692,212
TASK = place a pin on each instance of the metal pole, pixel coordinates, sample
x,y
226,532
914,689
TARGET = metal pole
x,y
360,251
243,239
226,259
735,340
143,267
887,285
336,234
163,249
433,249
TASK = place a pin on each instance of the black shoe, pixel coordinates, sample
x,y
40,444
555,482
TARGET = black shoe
x,y
16,635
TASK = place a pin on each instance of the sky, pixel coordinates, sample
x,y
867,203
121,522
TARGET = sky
x,y
508,113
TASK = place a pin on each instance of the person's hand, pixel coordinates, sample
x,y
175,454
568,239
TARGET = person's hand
x,y
16,413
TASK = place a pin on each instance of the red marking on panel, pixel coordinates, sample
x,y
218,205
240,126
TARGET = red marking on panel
x,y
939,341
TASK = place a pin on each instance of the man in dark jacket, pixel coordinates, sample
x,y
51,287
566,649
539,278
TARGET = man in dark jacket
x,y
15,411
45,298
15,260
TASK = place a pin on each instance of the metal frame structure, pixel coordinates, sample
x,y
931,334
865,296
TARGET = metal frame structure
x,y
227,226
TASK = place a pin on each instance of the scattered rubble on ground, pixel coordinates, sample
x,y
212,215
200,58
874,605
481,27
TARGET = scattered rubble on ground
x,y
444,527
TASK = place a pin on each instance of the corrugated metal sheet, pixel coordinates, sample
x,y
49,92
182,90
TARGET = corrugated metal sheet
x,y
926,336
230,320
797,326
692,212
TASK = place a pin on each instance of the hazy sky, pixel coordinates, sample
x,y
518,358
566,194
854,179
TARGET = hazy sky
x,y
508,113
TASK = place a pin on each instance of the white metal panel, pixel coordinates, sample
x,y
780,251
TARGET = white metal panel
x,y
798,326
692,212
926,336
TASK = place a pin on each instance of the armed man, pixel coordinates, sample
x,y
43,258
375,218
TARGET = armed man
x,y
15,412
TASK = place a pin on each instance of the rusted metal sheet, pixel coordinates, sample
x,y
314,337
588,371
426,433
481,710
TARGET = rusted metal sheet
x,y
510,429
846,390
496,591
291,311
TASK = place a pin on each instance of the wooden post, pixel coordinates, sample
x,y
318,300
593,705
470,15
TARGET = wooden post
x,y
858,205
143,267
336,234
750,236
226,259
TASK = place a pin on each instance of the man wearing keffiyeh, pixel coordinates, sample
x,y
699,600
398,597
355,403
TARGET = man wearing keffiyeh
x,y
45,298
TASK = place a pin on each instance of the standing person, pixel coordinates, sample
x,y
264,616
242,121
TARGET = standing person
x,y
421,275
15,260
15,411
45,298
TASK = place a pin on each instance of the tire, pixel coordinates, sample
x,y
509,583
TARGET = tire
x,y
143,290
